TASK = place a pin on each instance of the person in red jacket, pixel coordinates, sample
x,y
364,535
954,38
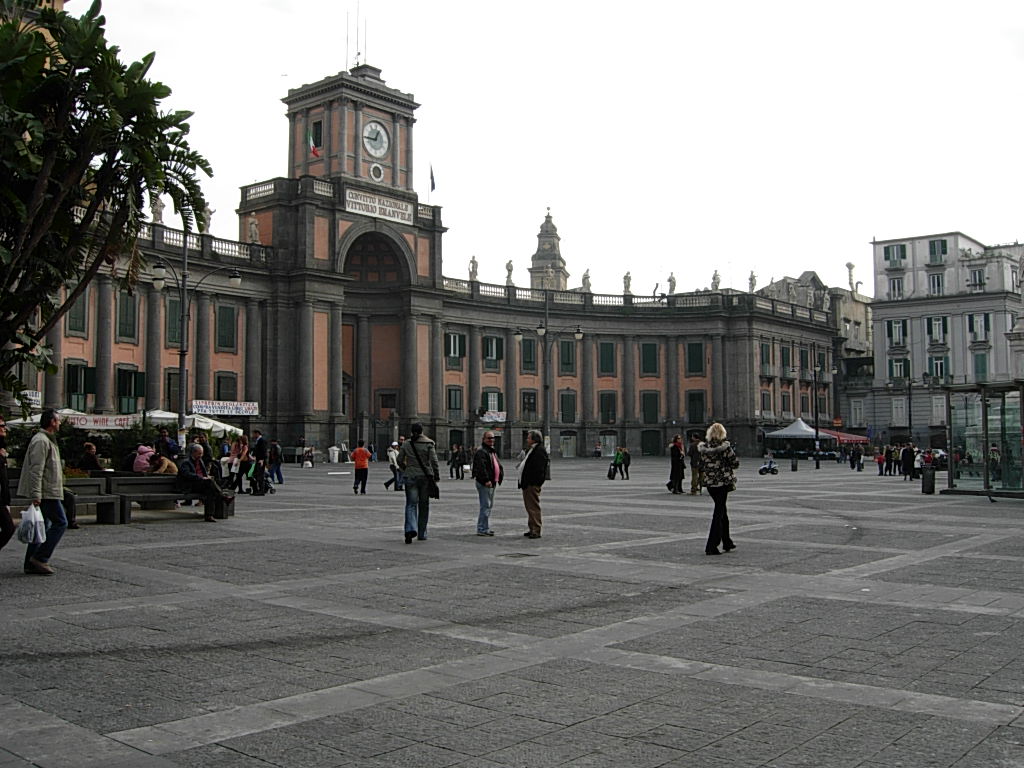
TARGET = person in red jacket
x,y
361,457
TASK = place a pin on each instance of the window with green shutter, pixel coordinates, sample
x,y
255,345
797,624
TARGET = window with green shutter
x,y
76,317
695,358
696,410
606,358
227,328
127,317
567,406
649,406
606,402
528,352
172,321
567,357
648,359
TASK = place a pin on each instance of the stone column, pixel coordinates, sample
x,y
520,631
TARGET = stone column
x,y
201,351
587,376
719,375
154,347
105,298
53,383
396,175
408,152
671,378
409,407
437,401
335,365
474,355
357,144
304,376
628,379
328,137
511,375
253,360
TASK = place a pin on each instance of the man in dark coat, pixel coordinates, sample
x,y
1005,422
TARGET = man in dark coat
x,y
532,474
193,477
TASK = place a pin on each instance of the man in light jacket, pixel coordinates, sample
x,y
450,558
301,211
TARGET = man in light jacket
x,y
42,480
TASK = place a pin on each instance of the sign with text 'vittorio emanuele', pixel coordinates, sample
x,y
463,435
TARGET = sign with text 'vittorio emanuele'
x,y
379,206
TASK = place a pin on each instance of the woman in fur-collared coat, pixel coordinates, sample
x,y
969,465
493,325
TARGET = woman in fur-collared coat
x,y
719,462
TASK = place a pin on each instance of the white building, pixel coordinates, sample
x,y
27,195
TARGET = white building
x,y
943,306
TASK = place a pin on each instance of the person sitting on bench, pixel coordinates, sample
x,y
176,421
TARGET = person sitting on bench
x,y
193,478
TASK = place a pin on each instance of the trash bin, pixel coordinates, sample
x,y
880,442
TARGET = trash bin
x,y
334,452
927,479
793,466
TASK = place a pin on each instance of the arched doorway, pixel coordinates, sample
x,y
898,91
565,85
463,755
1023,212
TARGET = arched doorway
x,y
373,260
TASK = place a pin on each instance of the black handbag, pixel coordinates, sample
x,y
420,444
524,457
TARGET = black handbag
x,y
433,491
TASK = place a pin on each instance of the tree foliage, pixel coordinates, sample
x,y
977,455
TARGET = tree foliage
x,y
83,144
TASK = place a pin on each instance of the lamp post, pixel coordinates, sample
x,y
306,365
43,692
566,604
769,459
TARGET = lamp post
x,y
545,337
185,297
817,452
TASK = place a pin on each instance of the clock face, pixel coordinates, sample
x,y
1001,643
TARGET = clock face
x,y
375,139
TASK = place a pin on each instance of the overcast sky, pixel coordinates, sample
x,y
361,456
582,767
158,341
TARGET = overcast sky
x,y
676,137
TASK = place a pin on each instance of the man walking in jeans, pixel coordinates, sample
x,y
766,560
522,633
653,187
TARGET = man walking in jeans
x,y
42,480
488,473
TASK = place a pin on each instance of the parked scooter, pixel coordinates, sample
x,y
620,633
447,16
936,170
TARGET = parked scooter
x,y
769,466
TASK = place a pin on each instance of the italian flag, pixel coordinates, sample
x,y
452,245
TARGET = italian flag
x,y
312,146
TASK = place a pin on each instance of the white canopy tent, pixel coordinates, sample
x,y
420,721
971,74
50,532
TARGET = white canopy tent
x,y
33,420
194,421
798,430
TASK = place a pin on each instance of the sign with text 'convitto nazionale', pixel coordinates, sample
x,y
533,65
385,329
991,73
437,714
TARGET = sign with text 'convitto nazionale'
x,y
379,206
225,408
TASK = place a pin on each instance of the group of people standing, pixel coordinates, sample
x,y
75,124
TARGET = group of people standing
x,y
416,463
903,459
678,456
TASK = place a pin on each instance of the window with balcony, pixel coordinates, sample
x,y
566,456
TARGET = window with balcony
x,y
528,405
454,350
976,281
896,332
454,402
895,254
899,412
494,352
171,390
938,366
805,404
895,288
766,402
75,385
979,326
787,404
936,328
606,402
938,410
766,355
131,385
172,321
787,361
936,251
936,284
899,368
856,413
492,400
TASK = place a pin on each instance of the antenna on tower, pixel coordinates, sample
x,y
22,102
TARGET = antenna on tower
x,y
348,26
358,52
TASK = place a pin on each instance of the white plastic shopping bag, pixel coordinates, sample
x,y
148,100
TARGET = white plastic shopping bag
x,y
32,529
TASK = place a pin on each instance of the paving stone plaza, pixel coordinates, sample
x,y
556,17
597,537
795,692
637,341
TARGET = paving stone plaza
x,y
858,623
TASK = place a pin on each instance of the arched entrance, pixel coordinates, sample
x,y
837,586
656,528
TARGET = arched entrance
x,y
373,260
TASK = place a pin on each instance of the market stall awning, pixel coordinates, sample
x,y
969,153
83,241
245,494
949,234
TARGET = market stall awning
x,y
798,430
844,437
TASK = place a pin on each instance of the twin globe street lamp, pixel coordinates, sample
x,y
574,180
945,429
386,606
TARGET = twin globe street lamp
x,y
185,296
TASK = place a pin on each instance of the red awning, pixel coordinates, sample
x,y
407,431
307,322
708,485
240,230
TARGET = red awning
x,y
844,437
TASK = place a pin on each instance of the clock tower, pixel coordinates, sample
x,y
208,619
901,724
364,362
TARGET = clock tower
x,y
351,125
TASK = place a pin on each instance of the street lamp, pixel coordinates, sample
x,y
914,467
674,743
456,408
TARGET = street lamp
x,y
814,394
546,340
180,281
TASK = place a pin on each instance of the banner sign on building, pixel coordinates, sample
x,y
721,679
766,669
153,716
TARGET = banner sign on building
x,y
492,416
99,421
34,397
225,408
379,206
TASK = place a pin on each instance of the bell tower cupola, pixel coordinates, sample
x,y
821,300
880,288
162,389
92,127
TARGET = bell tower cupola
x,y
547,269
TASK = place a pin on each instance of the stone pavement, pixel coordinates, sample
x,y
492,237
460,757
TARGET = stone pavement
x,y
858,623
